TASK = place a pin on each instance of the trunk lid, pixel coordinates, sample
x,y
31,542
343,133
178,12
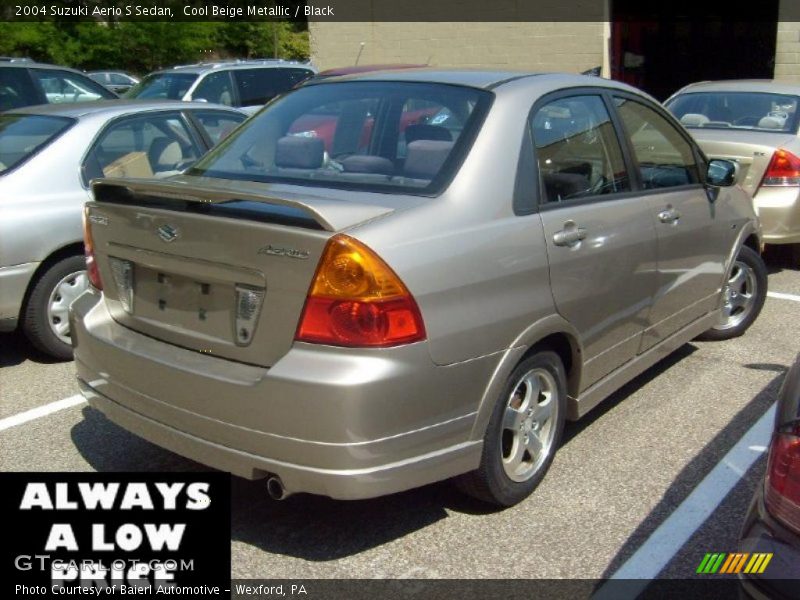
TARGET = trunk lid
x,y
752,150
219,267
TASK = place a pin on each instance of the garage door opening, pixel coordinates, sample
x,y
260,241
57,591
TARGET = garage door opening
x,y
683,42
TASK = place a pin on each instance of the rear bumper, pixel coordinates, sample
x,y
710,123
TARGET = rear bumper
x,y
778,211
342,423
13,285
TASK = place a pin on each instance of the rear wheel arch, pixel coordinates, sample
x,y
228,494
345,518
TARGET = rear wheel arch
x,y
551,333
73,249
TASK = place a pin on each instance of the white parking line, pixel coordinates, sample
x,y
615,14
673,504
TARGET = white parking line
x,y
782,296
40,411
665,542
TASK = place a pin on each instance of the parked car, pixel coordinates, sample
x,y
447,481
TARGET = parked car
x,y
755,124
772,525
27,83
117,81
393,313
249,84
48,155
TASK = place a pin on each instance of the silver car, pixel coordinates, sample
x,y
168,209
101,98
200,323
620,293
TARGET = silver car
x,y
390,279
246,83
48,155
755,124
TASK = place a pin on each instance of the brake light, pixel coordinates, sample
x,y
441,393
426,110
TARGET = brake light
x,y
782,492
88,248
356,300
783,169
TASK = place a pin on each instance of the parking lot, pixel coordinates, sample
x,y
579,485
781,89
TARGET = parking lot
x,y
639,488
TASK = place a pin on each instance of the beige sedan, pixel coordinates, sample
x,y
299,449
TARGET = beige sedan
x,y
755,124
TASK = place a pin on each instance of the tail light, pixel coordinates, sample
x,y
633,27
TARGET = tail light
x,y
783,170
782,491
88,248
357,300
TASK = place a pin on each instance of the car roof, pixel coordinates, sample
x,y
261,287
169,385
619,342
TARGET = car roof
x,y
477,78
35,65
115,107
744,85
352,69
200,68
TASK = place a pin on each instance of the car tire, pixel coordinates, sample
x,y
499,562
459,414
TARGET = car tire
x,y
45,312
743,297
509,471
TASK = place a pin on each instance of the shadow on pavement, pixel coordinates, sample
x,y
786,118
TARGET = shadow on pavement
x,y
781,257
694,472
15,349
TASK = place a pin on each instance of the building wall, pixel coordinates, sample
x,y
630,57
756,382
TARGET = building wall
x,y
534,46
787,50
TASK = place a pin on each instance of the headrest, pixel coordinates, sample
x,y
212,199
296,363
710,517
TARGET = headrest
x,y
771,122
425,158
359,163
298,152
423,131
164,152
694,120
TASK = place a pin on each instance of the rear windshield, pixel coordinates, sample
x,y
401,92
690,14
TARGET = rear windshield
x,y
390,136
171,86
756,111
22,136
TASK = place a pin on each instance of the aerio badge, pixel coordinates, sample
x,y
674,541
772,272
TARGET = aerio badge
x,y
168,233
271,250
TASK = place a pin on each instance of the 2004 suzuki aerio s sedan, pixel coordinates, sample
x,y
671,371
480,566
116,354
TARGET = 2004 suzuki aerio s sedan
x,y
462,261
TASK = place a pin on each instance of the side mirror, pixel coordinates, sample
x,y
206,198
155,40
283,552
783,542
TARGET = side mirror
x,y
200,99
721,173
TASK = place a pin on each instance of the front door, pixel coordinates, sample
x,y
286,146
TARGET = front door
x,y
601,239
691,236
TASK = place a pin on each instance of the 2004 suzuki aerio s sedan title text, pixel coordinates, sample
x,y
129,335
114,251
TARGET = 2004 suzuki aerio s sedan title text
x,y
390,279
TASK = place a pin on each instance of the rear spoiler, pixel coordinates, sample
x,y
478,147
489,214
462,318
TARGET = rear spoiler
x,y
231,200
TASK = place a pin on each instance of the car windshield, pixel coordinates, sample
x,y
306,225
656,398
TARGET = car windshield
x,y
758,111
172,86
22,136
386,136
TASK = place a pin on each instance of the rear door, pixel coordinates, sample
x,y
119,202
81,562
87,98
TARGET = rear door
x,y
600,236
692,239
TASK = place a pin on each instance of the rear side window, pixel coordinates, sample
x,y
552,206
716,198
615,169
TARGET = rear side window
x,y
664,157
22,136
577,150
151,146
259,86
388,136
62,87
172,86
17,89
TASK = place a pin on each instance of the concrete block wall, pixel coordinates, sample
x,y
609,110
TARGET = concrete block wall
x,y
532,46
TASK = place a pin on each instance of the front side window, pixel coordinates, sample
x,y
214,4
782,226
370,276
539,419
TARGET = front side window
x,y
120,79
62,87
382,135
577,151
22,136
664,157
216,88
754,111
218,125
259,86
163,86
151,146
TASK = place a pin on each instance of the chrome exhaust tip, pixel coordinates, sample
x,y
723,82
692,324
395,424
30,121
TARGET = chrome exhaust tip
x,y
275,488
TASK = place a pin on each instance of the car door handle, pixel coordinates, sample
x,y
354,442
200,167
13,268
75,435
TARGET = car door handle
x,y
569,237
669,215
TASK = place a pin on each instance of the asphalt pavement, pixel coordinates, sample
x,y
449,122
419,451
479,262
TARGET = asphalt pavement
x,y
621,473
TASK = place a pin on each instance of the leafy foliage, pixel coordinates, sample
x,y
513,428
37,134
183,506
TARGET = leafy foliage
x,y
142,46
